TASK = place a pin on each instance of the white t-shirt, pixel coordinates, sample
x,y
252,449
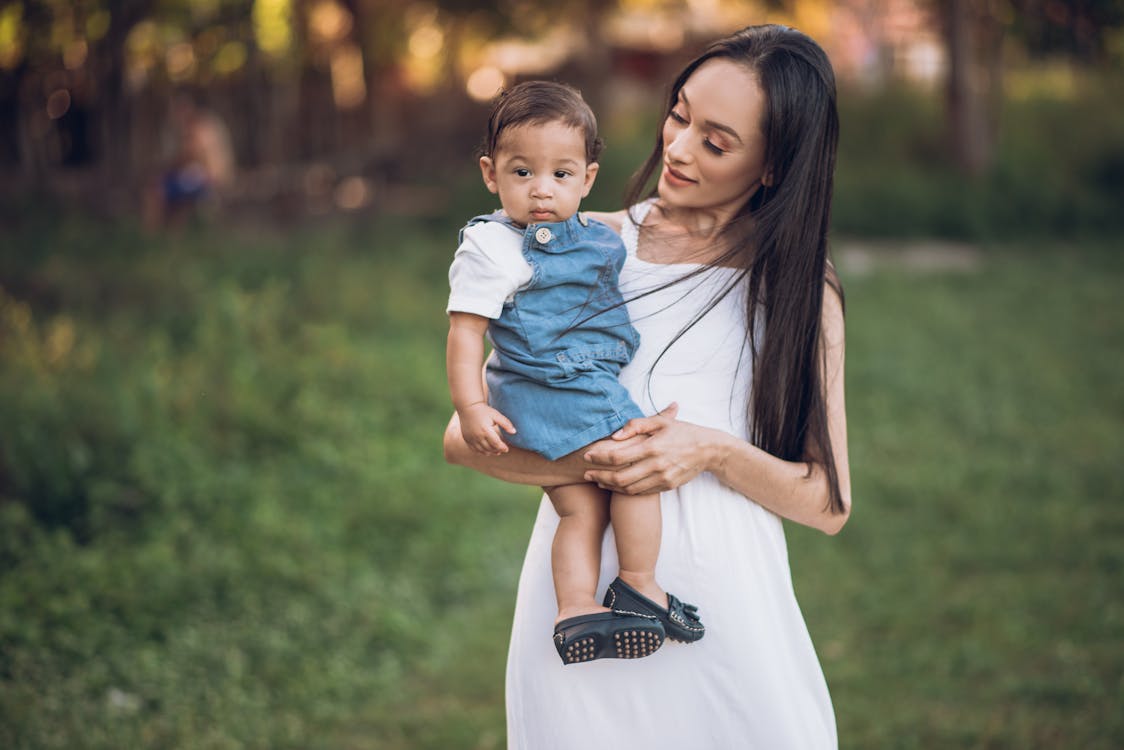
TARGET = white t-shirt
x,y
487,270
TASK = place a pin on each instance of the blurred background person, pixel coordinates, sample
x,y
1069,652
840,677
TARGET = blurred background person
x,y
200,164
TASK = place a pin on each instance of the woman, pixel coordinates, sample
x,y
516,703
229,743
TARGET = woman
x,y
741,325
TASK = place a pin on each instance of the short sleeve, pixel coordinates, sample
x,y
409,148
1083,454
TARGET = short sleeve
x,y
487,270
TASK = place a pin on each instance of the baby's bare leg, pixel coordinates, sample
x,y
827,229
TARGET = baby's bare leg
x,y
637,525
576,554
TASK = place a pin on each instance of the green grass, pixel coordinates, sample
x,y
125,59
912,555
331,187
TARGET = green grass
x,y
975,598
225,521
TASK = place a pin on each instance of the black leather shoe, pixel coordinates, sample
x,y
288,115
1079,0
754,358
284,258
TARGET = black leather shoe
x,y
680,621
607,635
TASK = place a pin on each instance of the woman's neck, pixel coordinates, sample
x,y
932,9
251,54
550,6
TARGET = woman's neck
x,y
670,235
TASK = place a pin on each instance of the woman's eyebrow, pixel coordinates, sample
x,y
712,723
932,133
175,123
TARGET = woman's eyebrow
x,y
711,123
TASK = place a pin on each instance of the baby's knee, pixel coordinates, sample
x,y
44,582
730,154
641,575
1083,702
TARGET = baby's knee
x,y
579,500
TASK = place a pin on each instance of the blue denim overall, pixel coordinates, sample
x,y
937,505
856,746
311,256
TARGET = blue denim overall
x,y
561,341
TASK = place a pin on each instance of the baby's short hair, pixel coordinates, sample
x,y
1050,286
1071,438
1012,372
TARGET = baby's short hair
x,y
540,102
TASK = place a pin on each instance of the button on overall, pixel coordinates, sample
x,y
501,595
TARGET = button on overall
x,y
543,235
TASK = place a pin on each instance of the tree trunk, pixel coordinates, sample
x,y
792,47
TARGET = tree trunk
x,y
970,136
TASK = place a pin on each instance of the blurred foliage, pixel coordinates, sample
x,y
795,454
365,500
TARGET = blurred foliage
x,y
1089,30
1059,167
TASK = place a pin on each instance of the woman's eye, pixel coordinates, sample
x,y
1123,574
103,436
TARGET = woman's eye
x,y
714,149
677,117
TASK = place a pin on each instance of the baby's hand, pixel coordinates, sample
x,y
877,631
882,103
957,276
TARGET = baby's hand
x,y
480,426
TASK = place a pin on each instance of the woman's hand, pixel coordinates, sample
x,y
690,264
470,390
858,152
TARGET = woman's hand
x,y
652,454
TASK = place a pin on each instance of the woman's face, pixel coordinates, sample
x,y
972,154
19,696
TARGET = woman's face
x,y
714,151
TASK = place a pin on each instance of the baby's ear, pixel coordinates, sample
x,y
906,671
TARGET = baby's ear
x,y
590,176
488,172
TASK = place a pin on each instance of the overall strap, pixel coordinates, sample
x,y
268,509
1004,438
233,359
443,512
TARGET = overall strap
x,y
496,216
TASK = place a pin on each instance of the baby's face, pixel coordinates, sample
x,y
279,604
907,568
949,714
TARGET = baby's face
x,y
539,171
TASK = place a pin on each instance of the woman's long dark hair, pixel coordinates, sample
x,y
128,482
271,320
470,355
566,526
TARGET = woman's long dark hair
x,y
779,238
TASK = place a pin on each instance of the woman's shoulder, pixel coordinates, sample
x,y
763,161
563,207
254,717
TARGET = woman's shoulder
x,y
614,219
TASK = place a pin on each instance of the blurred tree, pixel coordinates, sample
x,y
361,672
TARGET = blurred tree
x,y
973,43
1088,31
65,61
977,35
379,86
84,83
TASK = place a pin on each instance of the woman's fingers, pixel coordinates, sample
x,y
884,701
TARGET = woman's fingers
x,y
623,453
636,478
647,425
641,486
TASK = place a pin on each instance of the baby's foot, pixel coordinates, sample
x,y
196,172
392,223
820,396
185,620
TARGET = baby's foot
x,y
565,613
646,585
681,621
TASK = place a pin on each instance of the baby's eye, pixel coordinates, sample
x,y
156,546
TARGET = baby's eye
x,y
522,171
561,174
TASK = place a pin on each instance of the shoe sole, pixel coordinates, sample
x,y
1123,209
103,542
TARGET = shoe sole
x,y
632,643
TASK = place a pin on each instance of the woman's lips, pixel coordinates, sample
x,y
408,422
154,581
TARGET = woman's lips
x,y
676,179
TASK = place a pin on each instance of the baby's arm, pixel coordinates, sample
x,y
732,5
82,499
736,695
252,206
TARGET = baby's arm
x,y
480,423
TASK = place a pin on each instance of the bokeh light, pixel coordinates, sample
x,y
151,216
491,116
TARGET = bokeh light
x,y
484,83
349,89
273,26
230,57
353,193
180,61
58,103
11,45
74,56
328,21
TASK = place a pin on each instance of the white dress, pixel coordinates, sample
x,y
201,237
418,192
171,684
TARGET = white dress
x,y
754,680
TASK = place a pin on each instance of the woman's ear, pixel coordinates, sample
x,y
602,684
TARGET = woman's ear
x,y
488,172
767,178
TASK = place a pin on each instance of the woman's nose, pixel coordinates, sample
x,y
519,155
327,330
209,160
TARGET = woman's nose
x,y
677,148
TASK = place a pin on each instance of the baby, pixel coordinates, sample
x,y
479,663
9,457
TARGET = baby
x,y
540,280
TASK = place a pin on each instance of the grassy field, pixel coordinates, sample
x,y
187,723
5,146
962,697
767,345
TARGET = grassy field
x,y
225,521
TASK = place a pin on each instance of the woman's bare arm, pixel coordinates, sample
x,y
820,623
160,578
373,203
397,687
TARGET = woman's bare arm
x,y
516,465
526,467
676,452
